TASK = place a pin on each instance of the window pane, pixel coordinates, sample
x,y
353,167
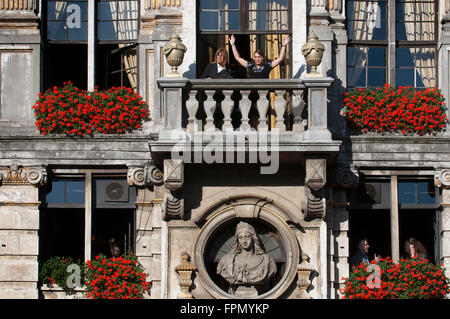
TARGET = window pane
x,y
415,20
78,33
56,195
56,30
127,30
231,20
56,10
74,192
106,11
228,4
404,57
209,20
426,194
356,77
404,77
106,30
366,20
268,15
375,77
406,193
376,57
209,4
357,56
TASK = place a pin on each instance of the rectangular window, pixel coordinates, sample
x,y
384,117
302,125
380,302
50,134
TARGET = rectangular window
x,y
67,20
414,34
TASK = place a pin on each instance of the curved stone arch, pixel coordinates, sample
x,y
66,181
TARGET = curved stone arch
x,y
258,197
223,212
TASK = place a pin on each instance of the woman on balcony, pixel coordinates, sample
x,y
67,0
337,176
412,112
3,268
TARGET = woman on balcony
x,y
258,68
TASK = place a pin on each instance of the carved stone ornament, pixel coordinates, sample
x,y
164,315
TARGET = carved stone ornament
x,y
173,174
185,271
304,271
313,52
19,175
143,176
172,207
442,178
174,51
246,267
315,181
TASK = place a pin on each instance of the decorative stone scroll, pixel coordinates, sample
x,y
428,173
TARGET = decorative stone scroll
x,y
315,181
173,204
18,175
143,176
185,270
442,178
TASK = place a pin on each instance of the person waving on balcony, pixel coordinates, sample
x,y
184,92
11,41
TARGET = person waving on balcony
x,y
258,68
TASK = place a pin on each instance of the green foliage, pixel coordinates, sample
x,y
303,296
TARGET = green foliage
x,y
54,271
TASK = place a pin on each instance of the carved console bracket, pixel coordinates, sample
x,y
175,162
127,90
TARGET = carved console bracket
x,y
304,270
18,175
173,204
185,271
442,178
144,176
315,181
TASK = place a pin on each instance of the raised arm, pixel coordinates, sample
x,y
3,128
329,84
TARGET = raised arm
x,y
282,53
238,58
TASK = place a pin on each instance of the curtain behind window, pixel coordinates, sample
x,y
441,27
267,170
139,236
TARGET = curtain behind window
x,y
419,24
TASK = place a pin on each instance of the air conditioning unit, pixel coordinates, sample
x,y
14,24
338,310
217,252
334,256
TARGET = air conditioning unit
x,y
114,193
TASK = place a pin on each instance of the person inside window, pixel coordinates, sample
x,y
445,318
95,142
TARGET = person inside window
x,y
258,68
361,254
218,69
414,248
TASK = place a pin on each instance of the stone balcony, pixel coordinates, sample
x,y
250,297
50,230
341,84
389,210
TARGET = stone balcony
x,y
289,113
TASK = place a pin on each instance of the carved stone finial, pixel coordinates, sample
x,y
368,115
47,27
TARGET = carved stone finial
x,y
185,271
174,51
304,270
19,175
313,52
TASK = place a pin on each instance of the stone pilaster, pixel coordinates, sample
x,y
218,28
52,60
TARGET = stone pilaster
x,y
442,179
148,180
19,226
315,194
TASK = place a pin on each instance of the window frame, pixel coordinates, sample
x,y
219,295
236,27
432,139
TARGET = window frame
x,y
392,44
243,22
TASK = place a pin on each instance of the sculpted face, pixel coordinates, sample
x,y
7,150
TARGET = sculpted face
x,y
245,240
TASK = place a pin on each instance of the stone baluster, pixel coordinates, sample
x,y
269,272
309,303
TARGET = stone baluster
x,y
227,109
262,106
244,106
192,108
298,104
210,107
280,108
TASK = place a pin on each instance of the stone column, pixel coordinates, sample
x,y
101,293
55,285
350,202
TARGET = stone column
x,y
443,180
19,226
148,179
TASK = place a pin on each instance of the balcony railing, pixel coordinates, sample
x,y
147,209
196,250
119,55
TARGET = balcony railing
x,y
296,108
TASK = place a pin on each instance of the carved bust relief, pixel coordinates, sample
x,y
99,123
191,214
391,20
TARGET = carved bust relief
x,y
247,264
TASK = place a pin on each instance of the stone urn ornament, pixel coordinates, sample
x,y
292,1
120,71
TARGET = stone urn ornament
x,y
313,52
174,51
